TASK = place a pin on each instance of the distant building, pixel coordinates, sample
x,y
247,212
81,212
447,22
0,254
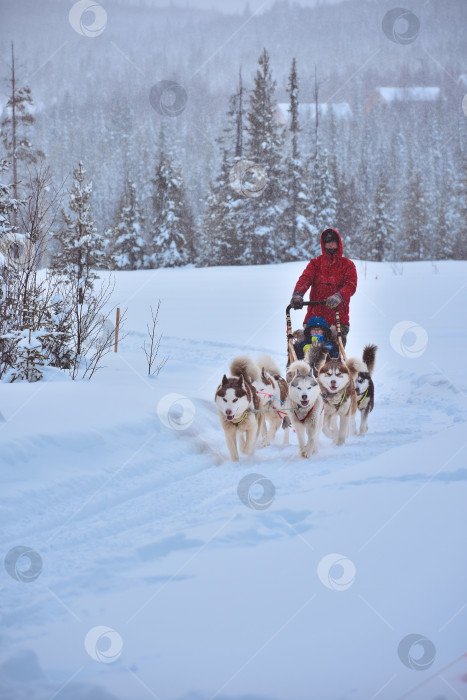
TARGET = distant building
x,y
401,95
307,111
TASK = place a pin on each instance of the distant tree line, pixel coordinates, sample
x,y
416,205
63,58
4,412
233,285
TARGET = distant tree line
x,y
393,182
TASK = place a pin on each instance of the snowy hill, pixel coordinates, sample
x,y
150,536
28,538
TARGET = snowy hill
x,y
142,528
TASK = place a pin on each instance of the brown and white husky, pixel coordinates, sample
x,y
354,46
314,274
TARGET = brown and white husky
x,y
272,393
336,381
237,404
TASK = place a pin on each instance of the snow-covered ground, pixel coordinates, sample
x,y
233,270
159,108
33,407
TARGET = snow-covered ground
x,y
139,528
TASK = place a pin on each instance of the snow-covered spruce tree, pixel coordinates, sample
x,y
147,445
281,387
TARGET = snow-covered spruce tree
x,y
26,322
80,245
350,217
323,206
223,239
321,209
15,127
218,228
127,244
457,213
172,234
412,235
265,137
8,274
345,199
30,338
442,241
75,264
379,234
296,226
442,225
8,203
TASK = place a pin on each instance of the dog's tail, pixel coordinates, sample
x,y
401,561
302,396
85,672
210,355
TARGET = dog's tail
x,y
242,366
267,363
300,367
354,365
369,357
316,356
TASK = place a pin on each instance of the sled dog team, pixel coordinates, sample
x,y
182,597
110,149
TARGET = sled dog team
x,y
319,393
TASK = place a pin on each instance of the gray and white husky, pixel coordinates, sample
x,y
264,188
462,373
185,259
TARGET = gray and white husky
x,y
306,406
364,387
237,404
272,393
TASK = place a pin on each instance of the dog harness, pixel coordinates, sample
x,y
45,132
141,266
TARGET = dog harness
x,y
281,414
363,397
336,405
241,421
302,420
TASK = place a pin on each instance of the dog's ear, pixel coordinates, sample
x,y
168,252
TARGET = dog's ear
x,y
224,380
241,380
263,375
289,376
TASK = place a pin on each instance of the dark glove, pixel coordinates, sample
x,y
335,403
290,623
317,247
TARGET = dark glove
x,y
333,301
297,300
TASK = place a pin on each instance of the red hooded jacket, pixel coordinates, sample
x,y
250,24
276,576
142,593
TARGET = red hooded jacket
x,y
326,278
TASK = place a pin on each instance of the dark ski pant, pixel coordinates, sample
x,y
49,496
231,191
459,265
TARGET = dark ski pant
x,y
345,332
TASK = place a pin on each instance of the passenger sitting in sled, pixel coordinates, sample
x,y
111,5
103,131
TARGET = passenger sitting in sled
x,y
316,331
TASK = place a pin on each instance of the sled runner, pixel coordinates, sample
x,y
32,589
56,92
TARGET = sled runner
x,y
316,331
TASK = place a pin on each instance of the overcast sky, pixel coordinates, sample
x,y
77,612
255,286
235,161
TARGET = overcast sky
x,y
232,5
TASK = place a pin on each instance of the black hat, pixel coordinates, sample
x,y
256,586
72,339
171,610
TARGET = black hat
x,y
330,236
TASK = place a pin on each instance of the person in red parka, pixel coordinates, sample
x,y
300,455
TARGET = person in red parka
x,y
332,278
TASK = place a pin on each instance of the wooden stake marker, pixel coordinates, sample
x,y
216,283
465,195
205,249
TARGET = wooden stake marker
x,y
117,323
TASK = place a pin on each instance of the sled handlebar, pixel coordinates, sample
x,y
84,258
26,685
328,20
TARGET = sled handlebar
x,y
306,303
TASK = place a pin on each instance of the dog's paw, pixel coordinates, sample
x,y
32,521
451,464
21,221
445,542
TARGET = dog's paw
x,y
265,443
363,430
306,452
340,441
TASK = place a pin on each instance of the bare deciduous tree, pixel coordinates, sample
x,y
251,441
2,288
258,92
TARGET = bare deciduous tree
x,y
152,352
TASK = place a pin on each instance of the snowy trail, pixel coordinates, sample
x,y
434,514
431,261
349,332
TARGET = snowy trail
x,y
140,528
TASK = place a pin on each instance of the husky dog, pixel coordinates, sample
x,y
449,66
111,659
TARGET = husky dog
x,y
306,406
365,388
237,402
336,382
272,393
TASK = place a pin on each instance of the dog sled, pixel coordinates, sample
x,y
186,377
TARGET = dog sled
x,y
316,331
